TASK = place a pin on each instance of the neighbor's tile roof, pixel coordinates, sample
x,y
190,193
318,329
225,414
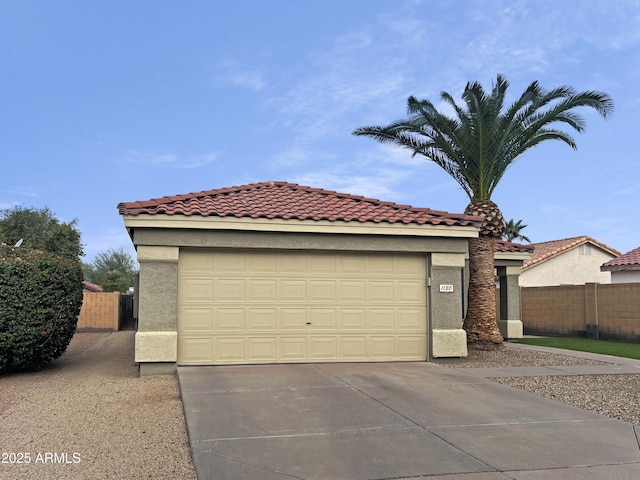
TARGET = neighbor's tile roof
x,y
546,250
504,246
629,259
92,287
290,201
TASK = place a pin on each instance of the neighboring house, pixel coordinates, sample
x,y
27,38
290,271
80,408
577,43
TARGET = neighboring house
x,y
570,261
276,272
88,286
624,268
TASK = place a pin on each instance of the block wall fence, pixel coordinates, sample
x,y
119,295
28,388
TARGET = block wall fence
x,y
604,311
100,311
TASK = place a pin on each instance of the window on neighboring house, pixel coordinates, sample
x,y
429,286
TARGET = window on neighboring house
x,y
584,249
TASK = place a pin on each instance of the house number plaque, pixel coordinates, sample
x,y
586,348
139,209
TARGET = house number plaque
x,y
446,288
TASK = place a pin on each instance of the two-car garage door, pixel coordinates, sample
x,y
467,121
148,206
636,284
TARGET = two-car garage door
x,y
248,306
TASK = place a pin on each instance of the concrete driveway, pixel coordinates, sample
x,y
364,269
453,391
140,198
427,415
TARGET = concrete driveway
x,y
389,421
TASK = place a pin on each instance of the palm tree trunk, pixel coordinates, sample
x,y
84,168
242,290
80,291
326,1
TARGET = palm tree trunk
x,y
481,323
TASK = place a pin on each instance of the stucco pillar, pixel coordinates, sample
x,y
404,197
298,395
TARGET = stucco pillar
x,y
509,323
448,339
157,337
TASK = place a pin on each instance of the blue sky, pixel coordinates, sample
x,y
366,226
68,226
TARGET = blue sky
x,y
113,101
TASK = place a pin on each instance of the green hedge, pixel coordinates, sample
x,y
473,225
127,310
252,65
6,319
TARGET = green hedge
x,y
40,300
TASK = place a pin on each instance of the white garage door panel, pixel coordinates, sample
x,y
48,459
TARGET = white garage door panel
x,y
255,307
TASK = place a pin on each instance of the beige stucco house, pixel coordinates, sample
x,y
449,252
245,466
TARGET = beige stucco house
x,y
276,272
624,268
569,261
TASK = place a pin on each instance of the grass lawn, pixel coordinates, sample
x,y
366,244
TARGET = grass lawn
x,y
604,347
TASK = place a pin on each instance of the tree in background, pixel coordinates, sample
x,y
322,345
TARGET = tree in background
x,y
40,230
114,270
513,231
476,146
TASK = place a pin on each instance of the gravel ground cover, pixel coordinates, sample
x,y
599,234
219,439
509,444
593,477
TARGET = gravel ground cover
x,y
509,356
88,415
616,396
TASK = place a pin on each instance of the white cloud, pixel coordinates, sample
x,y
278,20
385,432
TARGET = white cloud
x,y
383,154
198,160
341,78
235,74
16,196
167,160
22,191
627,191
104,239
322,105
371,186
383,172
298,155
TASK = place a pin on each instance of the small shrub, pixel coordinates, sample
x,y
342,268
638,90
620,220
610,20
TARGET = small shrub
x,y
40,299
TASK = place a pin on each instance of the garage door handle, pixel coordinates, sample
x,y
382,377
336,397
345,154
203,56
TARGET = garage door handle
x,y
308,323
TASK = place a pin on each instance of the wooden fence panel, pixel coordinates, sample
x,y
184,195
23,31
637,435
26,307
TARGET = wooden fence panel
x,y
99,311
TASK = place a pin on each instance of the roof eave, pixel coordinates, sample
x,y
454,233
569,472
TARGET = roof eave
x,y
523,256
620,268
297,226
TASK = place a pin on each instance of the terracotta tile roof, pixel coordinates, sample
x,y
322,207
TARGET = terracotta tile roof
x,y
92,287
503,246
628,261
290,201
546,250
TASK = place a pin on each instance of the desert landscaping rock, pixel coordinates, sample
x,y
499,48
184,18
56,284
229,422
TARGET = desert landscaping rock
x,y
507,356
615,396
89,415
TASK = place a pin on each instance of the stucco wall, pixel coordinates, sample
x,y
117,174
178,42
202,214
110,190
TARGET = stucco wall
x,y
625,277
298,241
156,339
446,306
568,268
158,310
446,269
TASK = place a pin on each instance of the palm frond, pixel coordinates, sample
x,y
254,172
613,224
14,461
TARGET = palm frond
x,y
478,144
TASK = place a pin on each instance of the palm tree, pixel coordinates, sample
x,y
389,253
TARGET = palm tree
x,y
475,147
513,231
